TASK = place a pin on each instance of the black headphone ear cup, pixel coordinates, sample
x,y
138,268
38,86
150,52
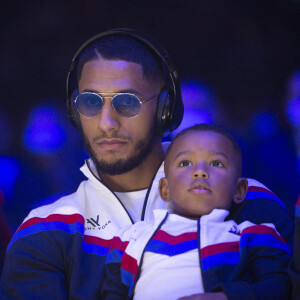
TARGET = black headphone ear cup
x,y
163,111
169,113
176,114
72,112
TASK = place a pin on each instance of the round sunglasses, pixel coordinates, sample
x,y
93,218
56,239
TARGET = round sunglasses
x,y
127,105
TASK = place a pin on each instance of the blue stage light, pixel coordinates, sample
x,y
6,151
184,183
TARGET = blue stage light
x,y
264,124
44,133
293,112
199,104
10,169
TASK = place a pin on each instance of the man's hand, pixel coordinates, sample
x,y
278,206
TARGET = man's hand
x,y
206,296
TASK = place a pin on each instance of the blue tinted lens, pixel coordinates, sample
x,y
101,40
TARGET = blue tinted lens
x,y
127,105
89,104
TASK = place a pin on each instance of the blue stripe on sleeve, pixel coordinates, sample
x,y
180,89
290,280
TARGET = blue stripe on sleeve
x,y
262,240
297,211
259,194
114,256
127,277
95,249
40,227
226,258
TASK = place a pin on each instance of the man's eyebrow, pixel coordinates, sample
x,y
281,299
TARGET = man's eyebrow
x,y
90,91
130,91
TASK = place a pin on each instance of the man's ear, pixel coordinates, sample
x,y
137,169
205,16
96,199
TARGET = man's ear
x,y
241,190
164,189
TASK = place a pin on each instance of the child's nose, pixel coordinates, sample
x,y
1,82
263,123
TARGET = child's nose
x,y
200,172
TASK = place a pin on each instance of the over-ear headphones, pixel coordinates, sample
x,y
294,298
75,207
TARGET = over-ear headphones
x,y
169,105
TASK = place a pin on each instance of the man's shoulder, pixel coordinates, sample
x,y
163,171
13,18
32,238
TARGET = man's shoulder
x,y
60,217
256,190
260,202
66,205
263,206
64,214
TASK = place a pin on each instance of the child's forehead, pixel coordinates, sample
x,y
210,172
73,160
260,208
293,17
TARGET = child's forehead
x,y
201,134
202,140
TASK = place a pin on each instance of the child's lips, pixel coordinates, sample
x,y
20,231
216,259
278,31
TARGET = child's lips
x,y
200,187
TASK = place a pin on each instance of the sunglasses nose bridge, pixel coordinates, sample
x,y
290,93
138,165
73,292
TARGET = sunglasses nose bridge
x,y
108,104
108,117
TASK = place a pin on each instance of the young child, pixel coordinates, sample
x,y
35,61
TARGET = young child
x,y
193,249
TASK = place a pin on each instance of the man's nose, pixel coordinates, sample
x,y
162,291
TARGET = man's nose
x,y
200,171
108,117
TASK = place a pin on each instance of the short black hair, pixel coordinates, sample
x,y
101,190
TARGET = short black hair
x,y
212,128
122,47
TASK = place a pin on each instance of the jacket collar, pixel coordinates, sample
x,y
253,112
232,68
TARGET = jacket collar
x,y
90,171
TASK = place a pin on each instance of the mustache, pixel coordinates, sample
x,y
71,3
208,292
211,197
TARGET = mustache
x,y
113,135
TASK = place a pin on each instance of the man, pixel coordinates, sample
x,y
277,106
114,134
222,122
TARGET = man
x,y
123,95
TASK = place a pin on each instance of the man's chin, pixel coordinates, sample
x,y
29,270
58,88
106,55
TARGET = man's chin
x,y
110,165
116,167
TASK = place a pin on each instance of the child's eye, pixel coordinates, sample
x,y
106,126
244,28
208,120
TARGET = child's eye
x,y
185,163
216,164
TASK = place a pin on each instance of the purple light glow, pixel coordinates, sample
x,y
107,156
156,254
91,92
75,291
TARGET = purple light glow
x,y
293,112
44,133
10,169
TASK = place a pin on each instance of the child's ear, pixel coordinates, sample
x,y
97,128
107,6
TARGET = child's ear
x,y
241,190
164,189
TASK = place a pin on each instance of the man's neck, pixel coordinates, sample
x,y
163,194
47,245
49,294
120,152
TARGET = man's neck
x,y
138,178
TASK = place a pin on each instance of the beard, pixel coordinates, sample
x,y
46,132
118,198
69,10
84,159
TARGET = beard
x,y
119,166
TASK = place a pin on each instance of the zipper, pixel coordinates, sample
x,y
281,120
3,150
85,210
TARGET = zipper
x,y
148,193
199,251
130,296
88,164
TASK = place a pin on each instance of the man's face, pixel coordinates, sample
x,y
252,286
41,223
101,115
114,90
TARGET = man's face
x,y
201,173
117,144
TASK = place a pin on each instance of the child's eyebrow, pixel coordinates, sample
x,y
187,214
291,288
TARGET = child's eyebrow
x,y
212,152
181,153
220,153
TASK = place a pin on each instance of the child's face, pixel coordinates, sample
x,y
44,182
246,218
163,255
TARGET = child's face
x,y
201,174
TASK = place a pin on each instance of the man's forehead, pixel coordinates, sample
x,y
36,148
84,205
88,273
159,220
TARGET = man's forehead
x,y
116,75
109,67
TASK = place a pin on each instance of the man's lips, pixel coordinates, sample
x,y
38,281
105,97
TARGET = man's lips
x,y
110,144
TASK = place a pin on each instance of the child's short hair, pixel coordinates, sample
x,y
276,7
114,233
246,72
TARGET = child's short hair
x,y
212,128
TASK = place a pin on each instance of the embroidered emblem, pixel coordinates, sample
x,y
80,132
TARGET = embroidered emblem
x,y
94,224
235,230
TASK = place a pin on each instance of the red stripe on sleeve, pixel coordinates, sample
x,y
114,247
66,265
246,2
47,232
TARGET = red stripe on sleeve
x,y
69,219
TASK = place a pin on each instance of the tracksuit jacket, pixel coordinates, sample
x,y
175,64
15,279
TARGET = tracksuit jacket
x,y
59,250
246,261
294,269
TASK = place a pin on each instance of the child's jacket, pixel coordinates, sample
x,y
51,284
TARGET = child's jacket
x,y
246,261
